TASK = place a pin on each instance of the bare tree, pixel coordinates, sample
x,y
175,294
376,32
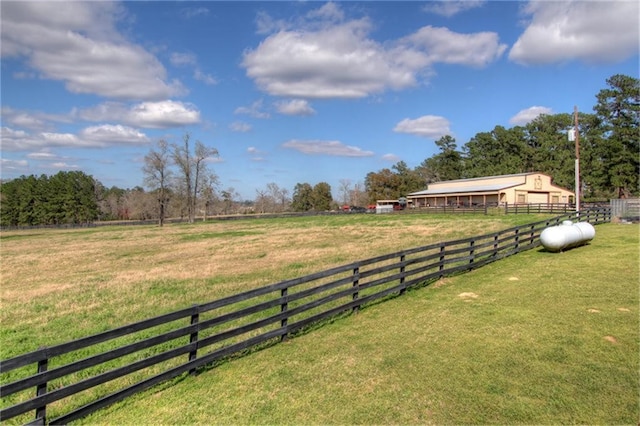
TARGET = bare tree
x,y
262,199
209,193
345,190
358,196
157,175
192,169
278,197
228,200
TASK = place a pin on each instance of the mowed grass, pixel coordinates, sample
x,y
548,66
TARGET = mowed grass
x,y
537,338
58,285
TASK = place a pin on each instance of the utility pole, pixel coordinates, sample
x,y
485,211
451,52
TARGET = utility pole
x,y
577,137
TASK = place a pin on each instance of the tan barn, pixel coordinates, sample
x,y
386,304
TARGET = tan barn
x,y
522,188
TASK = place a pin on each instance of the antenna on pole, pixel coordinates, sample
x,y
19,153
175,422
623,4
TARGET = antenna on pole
x,y
576,133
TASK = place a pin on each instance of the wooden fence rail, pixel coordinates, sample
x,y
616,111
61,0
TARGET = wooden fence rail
x,y
66,382
551,208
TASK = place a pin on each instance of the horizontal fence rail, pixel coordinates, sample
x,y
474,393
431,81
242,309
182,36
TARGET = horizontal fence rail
x,y
552,208
66,382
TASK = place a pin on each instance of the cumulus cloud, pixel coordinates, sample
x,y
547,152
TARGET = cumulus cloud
x,y
295,107
428,126
78,43
450,8
327,56
440,45
157,115
320,147
108,134
527,115
163,114
90,137
590,31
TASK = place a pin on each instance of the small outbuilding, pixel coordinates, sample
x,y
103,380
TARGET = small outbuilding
x,y
522,188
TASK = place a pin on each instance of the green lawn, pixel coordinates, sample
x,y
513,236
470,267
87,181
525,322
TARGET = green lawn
x,y
537,338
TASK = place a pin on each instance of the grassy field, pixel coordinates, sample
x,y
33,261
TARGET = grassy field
x,y
535,338
58,285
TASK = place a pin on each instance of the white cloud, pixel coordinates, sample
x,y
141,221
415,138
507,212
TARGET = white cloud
x,y
450,8
440,45
163,114
61,165
90,137
31,120
319,147
254,110
107,134
527,115
393,158
156,115
23,120
240,126
335,58
42,156
329,11
428,126
14,165
78,43
295,107
590,31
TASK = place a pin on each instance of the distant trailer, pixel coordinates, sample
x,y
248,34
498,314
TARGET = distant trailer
x,y
385,208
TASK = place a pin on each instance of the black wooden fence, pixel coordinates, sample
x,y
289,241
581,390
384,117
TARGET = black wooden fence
x,y
68,381
551,208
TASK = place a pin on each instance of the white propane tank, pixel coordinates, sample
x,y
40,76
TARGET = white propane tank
x,y
567,235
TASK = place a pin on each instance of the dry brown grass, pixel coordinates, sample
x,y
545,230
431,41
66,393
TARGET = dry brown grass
x,y
68,283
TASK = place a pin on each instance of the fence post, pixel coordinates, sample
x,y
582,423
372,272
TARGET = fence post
x,y
532,234
495,245
193,337
402,288
284,306
471,251
441,266
356,284
517,238
41,389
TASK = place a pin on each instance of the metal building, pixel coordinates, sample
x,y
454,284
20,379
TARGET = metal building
x,y
522,188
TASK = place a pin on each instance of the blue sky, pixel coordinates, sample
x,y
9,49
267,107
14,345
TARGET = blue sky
x,y
291,92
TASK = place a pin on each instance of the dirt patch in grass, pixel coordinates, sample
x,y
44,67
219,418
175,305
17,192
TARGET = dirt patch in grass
x,y
468,296
611,339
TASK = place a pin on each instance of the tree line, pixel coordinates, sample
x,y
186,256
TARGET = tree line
x,y
179,183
